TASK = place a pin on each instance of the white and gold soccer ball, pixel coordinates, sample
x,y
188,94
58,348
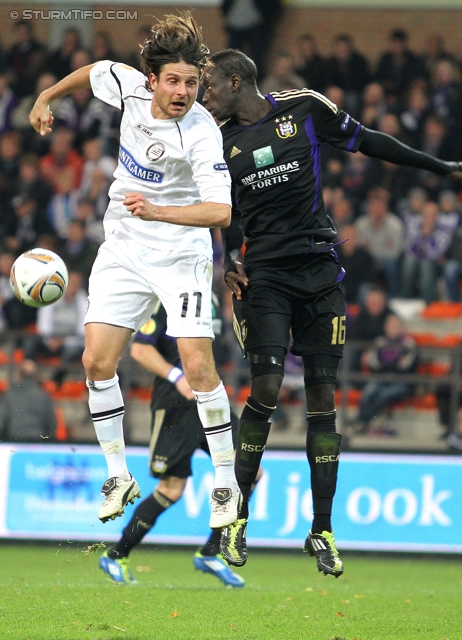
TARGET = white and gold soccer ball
x,y
38,277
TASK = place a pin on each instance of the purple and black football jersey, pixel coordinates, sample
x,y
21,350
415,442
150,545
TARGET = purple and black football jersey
x,y
276,171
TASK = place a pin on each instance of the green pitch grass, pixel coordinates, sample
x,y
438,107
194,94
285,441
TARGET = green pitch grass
x,y
57,592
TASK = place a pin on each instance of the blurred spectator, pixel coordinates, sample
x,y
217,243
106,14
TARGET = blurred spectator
x,y
62,168
78,251
354,177
358,264
399,67
394,352
381,233
133,57
80,58
374,105
336,95
87,116
59,61
13,314
434,51
412,118
369,323
452,264
26,58
10,151
348,69
446,98
20,116
101,47
24,224
342,213
309,64
249,25
413,203
8,101
282,76
6,292
427,238
97,175
85,212
29,181
436,141
60,328
26,411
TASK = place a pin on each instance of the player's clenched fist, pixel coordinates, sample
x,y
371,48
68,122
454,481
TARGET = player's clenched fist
x,y
140,207
41,118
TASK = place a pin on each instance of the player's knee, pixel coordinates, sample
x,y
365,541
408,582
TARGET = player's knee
x,y
98,366
200,373
320,376
172,487
265,389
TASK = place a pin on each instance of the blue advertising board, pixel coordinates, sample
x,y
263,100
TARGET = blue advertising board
x,y
383,502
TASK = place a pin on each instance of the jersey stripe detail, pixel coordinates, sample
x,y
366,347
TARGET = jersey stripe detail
x,y
181,137
122,105
137,98
315,155
351,144
301,93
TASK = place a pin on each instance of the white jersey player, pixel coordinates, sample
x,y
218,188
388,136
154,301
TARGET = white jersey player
x,y
171,185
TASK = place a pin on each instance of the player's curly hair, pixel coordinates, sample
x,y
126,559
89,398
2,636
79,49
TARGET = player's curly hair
x,y
177,38
231,62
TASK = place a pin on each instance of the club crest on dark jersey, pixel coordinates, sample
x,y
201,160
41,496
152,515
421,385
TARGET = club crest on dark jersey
x,y
155,151
285,127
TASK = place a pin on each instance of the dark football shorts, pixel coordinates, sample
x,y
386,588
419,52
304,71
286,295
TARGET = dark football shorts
x,y
299,295
175,435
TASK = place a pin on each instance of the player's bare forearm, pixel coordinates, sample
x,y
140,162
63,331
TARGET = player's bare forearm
x,y
204,214
40,117
149,358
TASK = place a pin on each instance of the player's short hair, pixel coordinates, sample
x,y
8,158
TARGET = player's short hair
x,y
177,38
231,62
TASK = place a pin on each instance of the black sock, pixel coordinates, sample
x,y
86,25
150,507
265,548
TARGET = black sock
x,y
142,521
254,427
212,546
323,451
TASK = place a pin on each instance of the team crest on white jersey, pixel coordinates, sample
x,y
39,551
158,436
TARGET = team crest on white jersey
x,y
286,128
155,151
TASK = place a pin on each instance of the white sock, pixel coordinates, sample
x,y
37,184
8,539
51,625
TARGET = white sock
x,y
214,413
107,412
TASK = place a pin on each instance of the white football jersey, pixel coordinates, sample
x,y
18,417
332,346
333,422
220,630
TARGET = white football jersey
x,y
171,162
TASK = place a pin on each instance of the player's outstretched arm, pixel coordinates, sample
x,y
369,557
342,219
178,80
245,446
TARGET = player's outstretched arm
x,y
203,214
380,145
40,117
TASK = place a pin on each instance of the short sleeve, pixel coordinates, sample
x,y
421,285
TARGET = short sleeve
x,y
332,125
111,81
210,171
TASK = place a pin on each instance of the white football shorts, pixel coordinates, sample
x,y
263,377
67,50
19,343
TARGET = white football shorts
x,y
129,278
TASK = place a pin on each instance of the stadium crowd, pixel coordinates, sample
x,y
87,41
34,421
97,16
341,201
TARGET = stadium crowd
x,y
400,229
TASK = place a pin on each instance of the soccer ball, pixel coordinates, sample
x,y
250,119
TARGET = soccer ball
x,y
38,277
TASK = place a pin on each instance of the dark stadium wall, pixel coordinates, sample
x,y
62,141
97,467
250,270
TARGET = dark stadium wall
x,y
369,27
